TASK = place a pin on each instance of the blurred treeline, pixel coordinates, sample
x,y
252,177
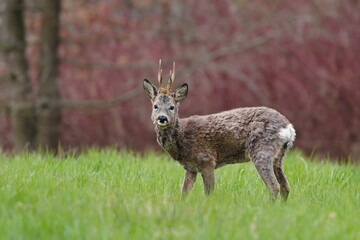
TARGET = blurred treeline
x,y
299,57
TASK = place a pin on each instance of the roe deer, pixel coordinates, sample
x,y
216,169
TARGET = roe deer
x,y
203,143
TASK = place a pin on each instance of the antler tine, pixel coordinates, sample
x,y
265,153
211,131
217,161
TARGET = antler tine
x,y
171,78
173,72
169,85
160,73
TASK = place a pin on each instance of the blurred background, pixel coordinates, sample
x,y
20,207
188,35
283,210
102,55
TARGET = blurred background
x,y
71,72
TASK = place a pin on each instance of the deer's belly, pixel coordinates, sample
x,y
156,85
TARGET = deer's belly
x,y
230,156
190,166
231,160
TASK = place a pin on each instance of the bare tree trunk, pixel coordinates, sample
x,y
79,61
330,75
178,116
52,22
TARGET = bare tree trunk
x,y
21,103
48,111
36,119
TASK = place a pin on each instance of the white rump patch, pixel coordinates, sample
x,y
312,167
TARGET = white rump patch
x,y
288,134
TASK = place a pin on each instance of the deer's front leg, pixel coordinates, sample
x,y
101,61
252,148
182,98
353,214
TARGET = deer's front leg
x,y
208,176
189,180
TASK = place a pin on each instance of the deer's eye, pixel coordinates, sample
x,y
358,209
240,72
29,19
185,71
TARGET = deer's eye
x,y
155,107
172,108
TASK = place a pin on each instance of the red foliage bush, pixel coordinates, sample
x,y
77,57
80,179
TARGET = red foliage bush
x,y
299,57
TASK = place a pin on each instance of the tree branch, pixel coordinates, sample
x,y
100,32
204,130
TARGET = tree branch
x,y
235,48
106,65
85,105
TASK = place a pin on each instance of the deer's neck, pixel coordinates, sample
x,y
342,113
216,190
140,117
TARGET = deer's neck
x,y
170,139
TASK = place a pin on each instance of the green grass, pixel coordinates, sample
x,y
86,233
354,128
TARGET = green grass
x,y
120,195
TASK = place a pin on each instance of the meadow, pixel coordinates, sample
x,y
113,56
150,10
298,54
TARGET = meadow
x,y
107,194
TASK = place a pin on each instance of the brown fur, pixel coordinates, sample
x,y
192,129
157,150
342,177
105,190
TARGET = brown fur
x,y
203,143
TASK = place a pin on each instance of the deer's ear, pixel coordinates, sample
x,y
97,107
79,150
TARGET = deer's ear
x,y
149,89
181,92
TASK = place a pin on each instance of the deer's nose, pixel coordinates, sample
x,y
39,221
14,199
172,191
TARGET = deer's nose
x,y
162,119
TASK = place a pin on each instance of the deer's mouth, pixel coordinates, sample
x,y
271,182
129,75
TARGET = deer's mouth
x,y
163,124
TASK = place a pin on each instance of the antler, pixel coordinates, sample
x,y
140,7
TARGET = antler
x,y
171,78
160,74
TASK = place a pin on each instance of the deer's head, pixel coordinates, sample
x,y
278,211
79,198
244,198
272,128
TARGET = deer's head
x,y
164,102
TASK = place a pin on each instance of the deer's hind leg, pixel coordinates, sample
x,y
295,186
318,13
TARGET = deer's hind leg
x,y
263,161
280,175
208,177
